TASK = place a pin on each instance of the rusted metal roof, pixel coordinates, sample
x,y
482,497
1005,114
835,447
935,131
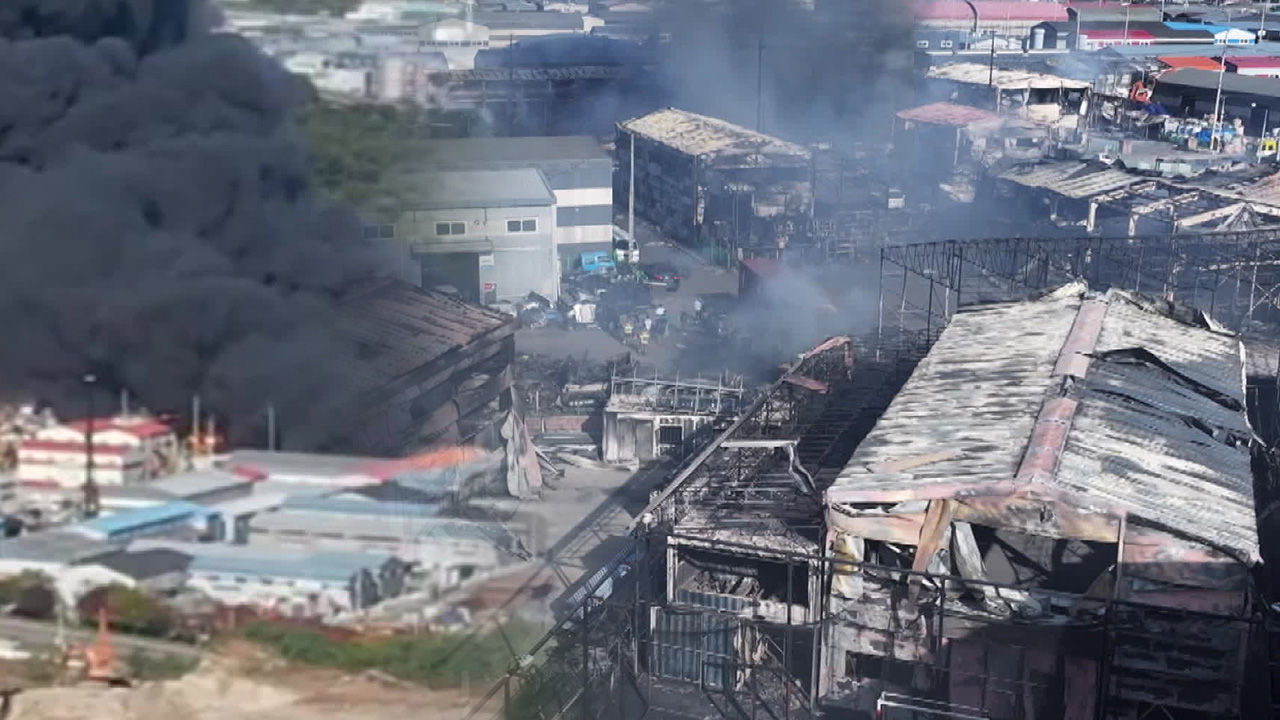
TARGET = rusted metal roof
x,y
1158,428
702,135
944,113
1074,180
399,328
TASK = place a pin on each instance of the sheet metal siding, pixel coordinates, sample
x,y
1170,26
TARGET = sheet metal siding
x,y
725,603
584,216
695,648
978,392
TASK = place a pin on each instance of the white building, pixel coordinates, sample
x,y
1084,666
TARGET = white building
x,y
126,450
290,581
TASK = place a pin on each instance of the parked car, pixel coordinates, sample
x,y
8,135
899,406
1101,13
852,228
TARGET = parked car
x,y
598,261
661,274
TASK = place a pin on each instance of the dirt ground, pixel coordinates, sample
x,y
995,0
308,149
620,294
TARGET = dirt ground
x,y
243,683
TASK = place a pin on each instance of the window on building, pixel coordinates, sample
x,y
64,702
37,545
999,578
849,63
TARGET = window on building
x,y
379,232
241,580
522,226
451,228
946,44
922,44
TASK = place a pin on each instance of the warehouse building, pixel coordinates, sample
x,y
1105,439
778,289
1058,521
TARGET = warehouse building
x,y
126,450
578,170
292,582
711,184
489,234
447,550
174,519
1055,513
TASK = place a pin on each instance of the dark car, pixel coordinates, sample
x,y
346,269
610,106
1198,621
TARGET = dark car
x,y
662,274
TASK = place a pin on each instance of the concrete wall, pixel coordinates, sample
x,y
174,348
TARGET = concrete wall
x,y
513,263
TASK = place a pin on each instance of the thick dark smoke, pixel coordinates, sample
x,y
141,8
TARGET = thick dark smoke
x,y
157,223
834,72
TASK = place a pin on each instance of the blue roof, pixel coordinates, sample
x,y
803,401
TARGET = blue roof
x,y
123,522
1215,29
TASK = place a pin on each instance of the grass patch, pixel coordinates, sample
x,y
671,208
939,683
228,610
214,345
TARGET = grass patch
x,y
433,660
158,666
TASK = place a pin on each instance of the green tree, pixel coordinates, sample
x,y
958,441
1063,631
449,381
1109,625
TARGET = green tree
x,y
355,150
128,610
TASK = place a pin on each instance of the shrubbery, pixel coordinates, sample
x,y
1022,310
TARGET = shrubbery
x,y
434,660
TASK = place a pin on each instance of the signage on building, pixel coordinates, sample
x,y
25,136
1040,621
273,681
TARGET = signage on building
x,y
486,260
490,287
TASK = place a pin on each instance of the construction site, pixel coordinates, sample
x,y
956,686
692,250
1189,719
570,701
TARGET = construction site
x,y
1042,487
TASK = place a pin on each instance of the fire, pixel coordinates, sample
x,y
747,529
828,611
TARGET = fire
x,y
431,460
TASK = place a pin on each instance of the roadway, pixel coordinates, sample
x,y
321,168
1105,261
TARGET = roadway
x,y
39,634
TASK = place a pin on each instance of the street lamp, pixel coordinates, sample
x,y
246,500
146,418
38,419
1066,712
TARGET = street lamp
x,y
90,489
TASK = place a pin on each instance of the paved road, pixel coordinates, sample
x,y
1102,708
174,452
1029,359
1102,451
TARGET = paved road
x,y
36,634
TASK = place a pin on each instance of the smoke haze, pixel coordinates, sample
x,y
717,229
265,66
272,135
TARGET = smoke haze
x,y
157,223
831,73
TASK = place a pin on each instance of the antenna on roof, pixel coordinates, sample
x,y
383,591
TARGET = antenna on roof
x,y
124,403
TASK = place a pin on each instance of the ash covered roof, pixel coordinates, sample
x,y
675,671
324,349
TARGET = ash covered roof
x,y
1160,430
1071,178
944,113
981,74
400,328
1207,80
702,135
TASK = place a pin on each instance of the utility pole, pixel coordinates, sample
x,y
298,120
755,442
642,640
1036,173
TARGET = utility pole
x,y
760,81
631,198
271,428
991,69
90,489
1215,143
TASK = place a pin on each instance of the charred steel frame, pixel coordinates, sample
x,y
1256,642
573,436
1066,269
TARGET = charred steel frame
x,y
612,644
1234,276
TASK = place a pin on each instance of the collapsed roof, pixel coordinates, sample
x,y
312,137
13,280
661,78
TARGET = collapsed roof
x,y
1109,403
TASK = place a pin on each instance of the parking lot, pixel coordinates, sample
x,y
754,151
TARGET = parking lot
x,y
679,351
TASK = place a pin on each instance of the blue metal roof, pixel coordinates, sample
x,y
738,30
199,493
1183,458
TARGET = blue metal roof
x,y
249,562
130,520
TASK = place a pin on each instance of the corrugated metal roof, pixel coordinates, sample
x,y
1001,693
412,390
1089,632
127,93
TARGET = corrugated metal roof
x,y
990,10
1232,83
198,482
981,74
944,113
402,525
270,561
400,328
701,135
1072,179
969,409
129,520
469,189
54,546
351,506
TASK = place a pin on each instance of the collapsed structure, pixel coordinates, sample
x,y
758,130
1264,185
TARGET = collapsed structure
x,y
436,370
1057,511
707,182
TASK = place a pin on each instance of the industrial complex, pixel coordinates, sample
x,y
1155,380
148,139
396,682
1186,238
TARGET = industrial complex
x,y
948,390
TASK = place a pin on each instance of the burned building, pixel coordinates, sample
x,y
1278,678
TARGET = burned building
x,y
708,183
648,417
435,370
1055,515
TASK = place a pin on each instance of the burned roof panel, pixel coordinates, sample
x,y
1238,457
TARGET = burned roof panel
x,y
971,402
701,135
1005,79
1159,430
400,328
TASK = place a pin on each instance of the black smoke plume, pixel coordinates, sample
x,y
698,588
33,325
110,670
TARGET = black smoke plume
x,y
158,227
